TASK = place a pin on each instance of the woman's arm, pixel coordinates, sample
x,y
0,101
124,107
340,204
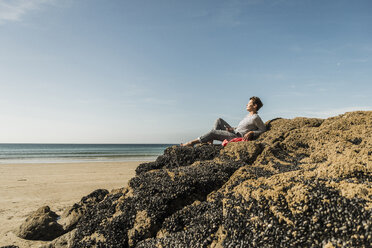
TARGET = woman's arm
x,y
260,126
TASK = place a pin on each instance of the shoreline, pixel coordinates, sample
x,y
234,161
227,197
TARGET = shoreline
x,y
25,187
141,159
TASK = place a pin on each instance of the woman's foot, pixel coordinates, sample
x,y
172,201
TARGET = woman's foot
x,y
191,143
186,144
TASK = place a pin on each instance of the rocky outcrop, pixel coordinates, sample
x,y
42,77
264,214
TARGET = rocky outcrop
x,y
304,183
138,211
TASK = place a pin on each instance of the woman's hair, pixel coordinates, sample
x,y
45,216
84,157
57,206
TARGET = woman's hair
x,y
256,101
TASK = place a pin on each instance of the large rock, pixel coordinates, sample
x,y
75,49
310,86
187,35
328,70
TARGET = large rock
x,y
137,212
41,225
304,183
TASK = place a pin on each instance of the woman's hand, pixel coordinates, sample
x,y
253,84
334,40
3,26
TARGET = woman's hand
x,y
248,136
230,129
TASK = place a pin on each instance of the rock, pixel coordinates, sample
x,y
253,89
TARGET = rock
x,y
64,241
41,225
153,196
45,224
72,215
244,151
177,156
304,183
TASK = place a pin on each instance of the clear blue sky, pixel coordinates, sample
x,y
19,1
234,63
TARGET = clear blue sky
x,y
118,71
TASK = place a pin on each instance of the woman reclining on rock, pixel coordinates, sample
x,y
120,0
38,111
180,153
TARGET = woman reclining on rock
x,y
249,128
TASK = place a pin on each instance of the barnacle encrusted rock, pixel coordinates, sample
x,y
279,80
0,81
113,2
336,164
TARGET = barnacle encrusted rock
x,y
305,182
243,151
176,156
71,216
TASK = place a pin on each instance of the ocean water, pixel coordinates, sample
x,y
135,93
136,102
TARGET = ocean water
x,y
65,153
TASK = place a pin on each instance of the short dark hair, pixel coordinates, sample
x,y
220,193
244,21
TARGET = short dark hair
x,y
256,101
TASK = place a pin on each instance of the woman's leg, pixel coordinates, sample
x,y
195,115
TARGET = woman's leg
x,y
221,124
217,135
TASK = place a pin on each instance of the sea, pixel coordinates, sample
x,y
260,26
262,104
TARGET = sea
x,y
68,153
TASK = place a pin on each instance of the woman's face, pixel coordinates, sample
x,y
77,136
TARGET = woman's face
x,y
251,107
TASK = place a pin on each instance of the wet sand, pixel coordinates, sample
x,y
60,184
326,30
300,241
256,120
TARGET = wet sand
x,y
26,187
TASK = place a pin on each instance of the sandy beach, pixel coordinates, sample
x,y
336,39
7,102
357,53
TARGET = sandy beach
x,y
26,187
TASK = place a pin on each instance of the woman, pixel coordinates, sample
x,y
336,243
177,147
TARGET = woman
x,y
250,127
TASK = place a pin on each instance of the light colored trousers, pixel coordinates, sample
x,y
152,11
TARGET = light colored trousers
x,y
219,132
